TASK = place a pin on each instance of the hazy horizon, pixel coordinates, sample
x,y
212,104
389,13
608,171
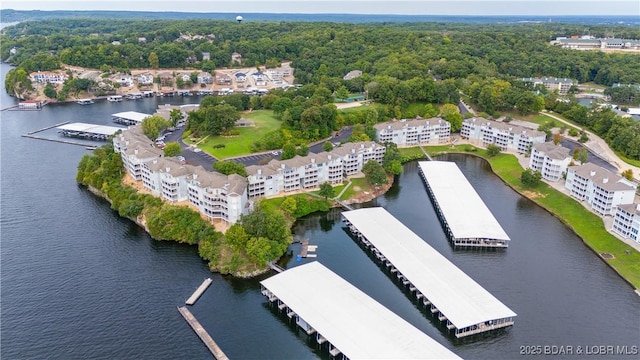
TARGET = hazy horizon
x,y
411,7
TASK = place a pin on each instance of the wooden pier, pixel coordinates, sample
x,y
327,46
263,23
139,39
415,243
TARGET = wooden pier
x,y
47,128
202,333
70,142
199,291
275,267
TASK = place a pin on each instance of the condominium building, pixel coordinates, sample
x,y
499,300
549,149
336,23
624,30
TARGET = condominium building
x,y
305,172
550,160
218,196
166,178
603,190
505,135
414,132
551,83
626,221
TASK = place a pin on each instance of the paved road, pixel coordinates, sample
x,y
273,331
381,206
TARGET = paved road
x,y
593,157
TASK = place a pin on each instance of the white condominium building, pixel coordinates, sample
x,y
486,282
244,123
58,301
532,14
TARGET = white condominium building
x,y
603,190
304,172
414,132
626,221
550,160
218,196
505,135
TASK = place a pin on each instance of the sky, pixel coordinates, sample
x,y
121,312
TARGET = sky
x,y
402,7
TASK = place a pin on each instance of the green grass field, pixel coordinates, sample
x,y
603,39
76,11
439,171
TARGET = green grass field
x,y
360,183
240,145
584,223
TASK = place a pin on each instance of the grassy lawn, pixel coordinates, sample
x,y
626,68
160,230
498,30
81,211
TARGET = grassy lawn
x,y
358,182
240,144
411,152
586,224
627,160
360,108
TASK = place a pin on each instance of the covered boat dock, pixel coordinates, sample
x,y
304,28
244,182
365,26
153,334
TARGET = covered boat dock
x,y
464,216
352,324
88,131
129,117
438,284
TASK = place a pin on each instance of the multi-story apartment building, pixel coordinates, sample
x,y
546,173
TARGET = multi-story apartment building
x,y
305,172
550,160
562,85
603,190
218,196
626,221
414,132
48,77
166,178
509,137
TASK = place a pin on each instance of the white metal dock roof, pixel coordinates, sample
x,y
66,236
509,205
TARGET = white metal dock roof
x,y
91,128
462,300
464,210
357,325
131,115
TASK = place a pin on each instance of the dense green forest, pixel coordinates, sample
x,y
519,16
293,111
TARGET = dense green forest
x,y
403,64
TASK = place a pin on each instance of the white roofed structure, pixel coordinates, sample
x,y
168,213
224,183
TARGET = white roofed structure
x,y
88,131
353,324
453,295
129,117
464,215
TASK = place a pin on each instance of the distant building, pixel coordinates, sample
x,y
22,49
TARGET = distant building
x,y
240,77
30,105
551,83
223,79
590,43
352,74
13,50
603,190
48,77
116,42
550,160
236,58
626,221
414,132
145,79
505,135
142,39
206,56
205,78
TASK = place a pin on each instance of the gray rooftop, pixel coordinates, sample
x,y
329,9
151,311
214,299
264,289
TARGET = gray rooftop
x,y
464,210
400,124
131,115
91,128
505,126
353,322
602,177
456,295
556,152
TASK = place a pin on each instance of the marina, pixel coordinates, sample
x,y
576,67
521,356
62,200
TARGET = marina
x,y
464,216
84,101
445,290
348,321
88,131
129,117
114,98
199,291
202,334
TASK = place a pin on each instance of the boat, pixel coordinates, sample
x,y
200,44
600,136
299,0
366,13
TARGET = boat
x,y
84,101
114,98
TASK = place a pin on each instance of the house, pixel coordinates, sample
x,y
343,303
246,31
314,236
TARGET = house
x,y
145,79
260,78
142,39
116,42
508,137
626,221
166,78
414,131
552,84
205,78
125,81
603,190
352,74
13,50
223,79
550,160
240,77
30,105
48,77
186,77
206,56
236,58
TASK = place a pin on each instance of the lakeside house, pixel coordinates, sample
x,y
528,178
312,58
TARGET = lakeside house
x,y
412,132
145,79
626,221
603,190
551,83
48,77
509,137
236,58
222,78
205,78
550,160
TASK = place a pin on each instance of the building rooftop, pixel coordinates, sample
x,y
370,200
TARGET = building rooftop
x,y
91,128
603,178
462,300
504,126
353,322
556,152
131,115
465,212
400,124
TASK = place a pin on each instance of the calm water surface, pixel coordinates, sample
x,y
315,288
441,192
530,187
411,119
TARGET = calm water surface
x,y
78,282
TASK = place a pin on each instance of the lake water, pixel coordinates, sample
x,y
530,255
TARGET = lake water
x,y
78,282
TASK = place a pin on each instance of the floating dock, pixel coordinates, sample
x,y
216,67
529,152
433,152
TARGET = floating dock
x,y
199,291
129,117
202,333
438,284
351,323
88,131
464,216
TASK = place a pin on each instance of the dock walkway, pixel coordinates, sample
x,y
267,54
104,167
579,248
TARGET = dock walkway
x,y
202,333
199,291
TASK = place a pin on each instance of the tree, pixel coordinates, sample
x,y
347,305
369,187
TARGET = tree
x,y
175,115
289,205
303,150
326,190
374,173
154,61
628,174
172,149
530,178
451,113
493,150
50,91
327,146
557,138
236,236
153,126
583,155
342,92
392,160
213,120
230,167
288,151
